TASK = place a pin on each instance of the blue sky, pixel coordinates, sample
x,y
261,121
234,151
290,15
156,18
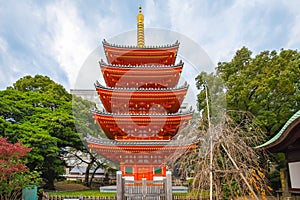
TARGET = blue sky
x,y
54,38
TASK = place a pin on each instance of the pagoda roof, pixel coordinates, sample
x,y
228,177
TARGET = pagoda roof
x,y
185,86
286,138
134,55
142,126
142,67
141,143
166,46
116,151
154,115
148,99
141,75
118,154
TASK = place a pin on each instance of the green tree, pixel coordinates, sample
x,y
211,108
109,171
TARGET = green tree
x,y
38,112
211,87
43,115
266,85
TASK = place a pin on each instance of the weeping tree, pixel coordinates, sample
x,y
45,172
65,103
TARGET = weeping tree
x,y
237,168
225,162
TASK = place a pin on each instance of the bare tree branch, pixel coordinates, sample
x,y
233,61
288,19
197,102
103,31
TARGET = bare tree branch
x,y
237,168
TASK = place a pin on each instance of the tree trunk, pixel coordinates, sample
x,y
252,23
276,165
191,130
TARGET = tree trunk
x,y
87,174
49,184
93,175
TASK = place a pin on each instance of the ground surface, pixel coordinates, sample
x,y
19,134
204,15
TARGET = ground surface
x,y
65,186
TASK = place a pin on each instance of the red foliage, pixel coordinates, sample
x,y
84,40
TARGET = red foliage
x,y
9,158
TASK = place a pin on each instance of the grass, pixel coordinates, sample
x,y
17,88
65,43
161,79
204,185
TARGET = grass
x,y
75,189
69,186
85,193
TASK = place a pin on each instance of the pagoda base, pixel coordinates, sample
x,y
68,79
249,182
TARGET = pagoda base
x,y
139,172
113,189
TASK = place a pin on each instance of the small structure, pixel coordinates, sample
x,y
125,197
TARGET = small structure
x,y
77,173
287,141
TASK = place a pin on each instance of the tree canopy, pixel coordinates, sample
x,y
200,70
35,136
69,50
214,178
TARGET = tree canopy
x,y
267,85
38,112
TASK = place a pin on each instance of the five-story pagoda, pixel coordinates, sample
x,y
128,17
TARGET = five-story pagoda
x,y
141,102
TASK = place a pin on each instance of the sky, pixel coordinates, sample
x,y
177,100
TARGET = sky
x,y
54,38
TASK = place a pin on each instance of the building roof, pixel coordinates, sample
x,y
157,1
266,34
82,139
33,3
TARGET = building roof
x,y
82,170
129,116
142,143
134,55
166,46
154,90
151,75
288,134
144,67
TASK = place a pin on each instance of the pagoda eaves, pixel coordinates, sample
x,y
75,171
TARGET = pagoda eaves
x,y
115,150
140,158
141,100
155,76
141,126
134,55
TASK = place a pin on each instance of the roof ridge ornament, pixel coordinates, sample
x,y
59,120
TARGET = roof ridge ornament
x,y
140,28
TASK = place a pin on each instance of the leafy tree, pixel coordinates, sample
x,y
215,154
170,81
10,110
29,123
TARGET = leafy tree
x,y
14,175
211,87
40,113
90,159
266,85
85,125
84,121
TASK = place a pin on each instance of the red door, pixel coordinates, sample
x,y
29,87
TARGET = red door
x,y
144,172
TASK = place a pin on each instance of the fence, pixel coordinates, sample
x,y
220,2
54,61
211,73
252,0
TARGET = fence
x,y
144,190
114,198
78,198
150,190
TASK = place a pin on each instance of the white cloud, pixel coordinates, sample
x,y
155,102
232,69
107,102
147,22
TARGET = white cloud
x,y
55,38
23,28
294,34
222,28
210,26
69,44
73,39
3,46
9,69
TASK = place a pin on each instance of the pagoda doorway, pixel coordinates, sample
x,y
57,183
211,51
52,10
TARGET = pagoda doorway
x,y
144,172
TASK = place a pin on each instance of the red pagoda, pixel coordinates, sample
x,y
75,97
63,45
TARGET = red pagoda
x,y
141,102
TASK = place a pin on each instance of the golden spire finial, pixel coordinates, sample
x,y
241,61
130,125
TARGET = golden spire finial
x,y
140,28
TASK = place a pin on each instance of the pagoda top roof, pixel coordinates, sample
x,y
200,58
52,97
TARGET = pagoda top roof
x,y
101,62
184,86
167,46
